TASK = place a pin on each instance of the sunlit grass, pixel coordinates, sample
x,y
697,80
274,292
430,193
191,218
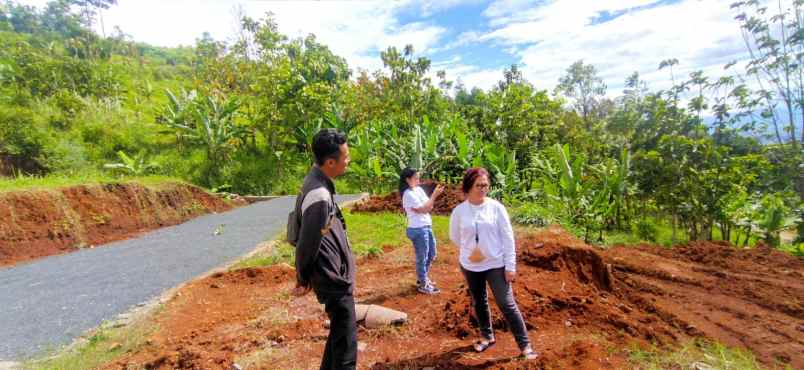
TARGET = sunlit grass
x,y
695,355
368,233
55,181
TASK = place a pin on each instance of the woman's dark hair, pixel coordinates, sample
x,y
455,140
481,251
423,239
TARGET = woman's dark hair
x,y
327,144
471,176
403,179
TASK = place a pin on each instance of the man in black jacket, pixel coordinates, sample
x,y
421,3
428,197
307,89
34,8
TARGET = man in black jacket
x,y
324,260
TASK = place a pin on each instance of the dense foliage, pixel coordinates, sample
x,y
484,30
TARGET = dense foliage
x,y
711,156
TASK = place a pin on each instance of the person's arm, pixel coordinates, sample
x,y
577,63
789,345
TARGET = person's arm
x,y
315,215
507,238
455,227
428,206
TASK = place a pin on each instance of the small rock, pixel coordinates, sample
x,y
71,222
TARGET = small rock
x,y
800,327
567,323
326,324
115,346
701,366
361,346
235,366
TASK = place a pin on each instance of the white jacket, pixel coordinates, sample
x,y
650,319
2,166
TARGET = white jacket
x,y
487,226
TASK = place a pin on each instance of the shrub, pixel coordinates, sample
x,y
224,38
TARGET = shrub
x,y
646,229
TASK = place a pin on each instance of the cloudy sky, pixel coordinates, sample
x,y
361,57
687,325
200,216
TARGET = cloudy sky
x,y
473,40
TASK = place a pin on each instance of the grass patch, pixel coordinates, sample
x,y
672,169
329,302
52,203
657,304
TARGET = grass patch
x,y
698,354
371,231
368,233
752,240
104,346
794,249
280,252
55,181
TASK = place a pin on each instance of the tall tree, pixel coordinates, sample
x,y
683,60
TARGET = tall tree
x,y
774,39
582,84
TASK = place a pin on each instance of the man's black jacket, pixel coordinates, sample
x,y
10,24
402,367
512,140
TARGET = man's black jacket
x,y
324,257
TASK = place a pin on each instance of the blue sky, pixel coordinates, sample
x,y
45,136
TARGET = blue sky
x,y
473,40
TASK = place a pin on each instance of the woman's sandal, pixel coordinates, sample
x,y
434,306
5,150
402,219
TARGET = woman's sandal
x,y
483,345
529,354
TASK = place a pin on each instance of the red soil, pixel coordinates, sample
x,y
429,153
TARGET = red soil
x,y
39,223
583,307
452,196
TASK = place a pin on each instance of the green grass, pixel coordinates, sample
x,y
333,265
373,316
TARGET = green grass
x,y
61,180
368,233
694,355
281,252
794,249
752,240
664,236
104,346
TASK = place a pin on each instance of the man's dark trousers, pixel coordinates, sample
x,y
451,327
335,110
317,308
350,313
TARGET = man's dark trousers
x,y
341,348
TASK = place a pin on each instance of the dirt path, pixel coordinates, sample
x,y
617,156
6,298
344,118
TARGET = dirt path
x,y
582,307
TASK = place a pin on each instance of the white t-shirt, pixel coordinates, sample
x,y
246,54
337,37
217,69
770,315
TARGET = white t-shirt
x,y
487,226
415,198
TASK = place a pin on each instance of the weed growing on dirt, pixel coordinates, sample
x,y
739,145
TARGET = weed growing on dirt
x,y
696,354
279,253
105,345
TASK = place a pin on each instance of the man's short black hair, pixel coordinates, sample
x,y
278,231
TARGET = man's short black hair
x,y
327,144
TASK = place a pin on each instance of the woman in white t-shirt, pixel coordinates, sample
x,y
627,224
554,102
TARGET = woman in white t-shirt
x,y
480,227
417,206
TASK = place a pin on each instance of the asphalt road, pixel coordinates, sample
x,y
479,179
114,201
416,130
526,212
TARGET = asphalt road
x,y
49,302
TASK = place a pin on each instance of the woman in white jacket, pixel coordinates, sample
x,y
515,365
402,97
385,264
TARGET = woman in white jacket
x,y
480,227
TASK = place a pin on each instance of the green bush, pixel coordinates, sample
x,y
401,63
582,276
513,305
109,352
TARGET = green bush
x,y
530,214
647,230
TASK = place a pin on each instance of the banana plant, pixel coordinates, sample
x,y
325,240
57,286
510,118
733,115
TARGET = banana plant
x,y
208,122
502,164
416,160
773,217
134,166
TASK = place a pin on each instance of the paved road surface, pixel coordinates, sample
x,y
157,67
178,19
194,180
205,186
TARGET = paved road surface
x,y
49,302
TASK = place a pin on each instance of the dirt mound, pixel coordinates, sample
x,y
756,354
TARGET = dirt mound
x,y
746,298
40,223
583,307
251,275
563,284
451,197
723,255
216,318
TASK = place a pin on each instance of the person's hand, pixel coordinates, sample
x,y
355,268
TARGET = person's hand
x,y
438,190
300,290
510,276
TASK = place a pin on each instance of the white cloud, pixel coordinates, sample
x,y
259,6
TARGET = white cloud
x,y
471,76
355,30
559,33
